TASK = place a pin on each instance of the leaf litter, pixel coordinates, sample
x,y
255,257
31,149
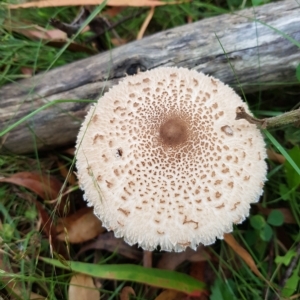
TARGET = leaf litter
x,y
79,227
126,292
82,287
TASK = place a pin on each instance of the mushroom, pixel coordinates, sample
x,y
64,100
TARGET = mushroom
x,y
164,162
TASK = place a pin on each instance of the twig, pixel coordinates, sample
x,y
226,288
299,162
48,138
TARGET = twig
x,y
74,26
114,25
69,29
146,23
292,117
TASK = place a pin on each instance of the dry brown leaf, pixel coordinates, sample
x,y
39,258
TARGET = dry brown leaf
x,y
126,292
79,227
46,186
239,250
109,242
145,23
82,288
51,3
113,11
171,260
171,295
35,32
39,33
54,37
272,155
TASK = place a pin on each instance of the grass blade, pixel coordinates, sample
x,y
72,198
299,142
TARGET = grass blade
x,y
282,150
154,277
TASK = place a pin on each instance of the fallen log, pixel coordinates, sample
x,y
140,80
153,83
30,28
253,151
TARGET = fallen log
x,y
252,49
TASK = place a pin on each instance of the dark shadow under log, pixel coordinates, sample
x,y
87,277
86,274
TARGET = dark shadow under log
x,y
256,43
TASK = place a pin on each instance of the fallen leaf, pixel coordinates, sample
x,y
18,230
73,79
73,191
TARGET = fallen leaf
x,y
79,227
171,295
35,32
126,292
171,260
239,250
109,242
53,37
82,288
272,155
57,3
145,23
113,11
45,186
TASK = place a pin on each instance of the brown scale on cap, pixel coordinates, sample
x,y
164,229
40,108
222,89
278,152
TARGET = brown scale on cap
x,y
175,166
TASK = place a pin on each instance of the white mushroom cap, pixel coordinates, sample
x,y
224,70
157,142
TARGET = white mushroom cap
x,y
164,162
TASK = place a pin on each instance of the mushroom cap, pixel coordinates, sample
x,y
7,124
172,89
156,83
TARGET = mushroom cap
x,y
164,162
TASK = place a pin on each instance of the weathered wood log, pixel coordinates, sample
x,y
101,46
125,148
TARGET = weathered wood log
x,y
256,43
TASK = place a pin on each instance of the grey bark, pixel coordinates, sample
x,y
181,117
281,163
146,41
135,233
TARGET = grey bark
x,y
255,43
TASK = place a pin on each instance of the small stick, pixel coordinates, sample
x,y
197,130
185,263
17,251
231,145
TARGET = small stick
x,y
72,28
292,117
69,29
112,26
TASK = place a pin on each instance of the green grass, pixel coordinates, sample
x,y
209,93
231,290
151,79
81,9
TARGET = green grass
x,y
271,243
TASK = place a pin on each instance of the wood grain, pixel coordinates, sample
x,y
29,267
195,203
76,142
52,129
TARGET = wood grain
x,y
255,43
